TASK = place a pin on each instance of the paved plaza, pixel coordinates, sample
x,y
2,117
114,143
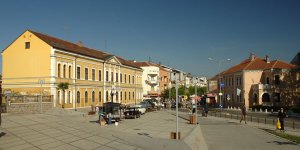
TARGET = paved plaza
x,y
67,129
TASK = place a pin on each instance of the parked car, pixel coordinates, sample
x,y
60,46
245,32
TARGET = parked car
x,y
153,102
132,113
140,108
146,105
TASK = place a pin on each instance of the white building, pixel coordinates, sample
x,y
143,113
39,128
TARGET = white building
x,y
150,79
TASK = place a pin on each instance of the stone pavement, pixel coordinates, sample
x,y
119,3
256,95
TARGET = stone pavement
x,y
229,134
67,129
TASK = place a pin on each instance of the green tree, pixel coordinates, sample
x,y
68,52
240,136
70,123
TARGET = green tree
x,y
63,86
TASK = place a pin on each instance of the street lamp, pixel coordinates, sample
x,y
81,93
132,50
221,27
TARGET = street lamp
x,y
219,62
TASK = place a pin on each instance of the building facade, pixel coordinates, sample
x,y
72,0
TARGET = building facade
x,y
255,81
35,63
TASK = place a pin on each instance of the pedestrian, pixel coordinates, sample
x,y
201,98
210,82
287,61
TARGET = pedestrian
x,y
206,110
243,114
281,116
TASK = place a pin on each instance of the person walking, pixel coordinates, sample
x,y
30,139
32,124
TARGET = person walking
x,y
281,116
243,114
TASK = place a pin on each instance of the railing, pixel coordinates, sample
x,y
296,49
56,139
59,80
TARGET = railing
x,y
29,99
294,124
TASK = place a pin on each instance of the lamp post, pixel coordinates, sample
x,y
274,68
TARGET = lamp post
x,y
176,87
219,62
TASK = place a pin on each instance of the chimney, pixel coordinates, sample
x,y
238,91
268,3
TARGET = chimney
x,y
267,59
79,43
252,57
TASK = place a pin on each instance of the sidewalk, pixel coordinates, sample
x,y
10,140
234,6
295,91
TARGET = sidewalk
x,y
229,134
68,129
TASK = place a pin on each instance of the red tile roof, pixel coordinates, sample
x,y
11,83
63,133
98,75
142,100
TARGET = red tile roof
x,y
258,64
75,48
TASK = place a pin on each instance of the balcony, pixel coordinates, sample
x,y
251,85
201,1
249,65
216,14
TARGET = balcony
x,y
152,82
262,87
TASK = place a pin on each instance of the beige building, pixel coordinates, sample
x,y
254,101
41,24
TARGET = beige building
x,y
255,81
35,63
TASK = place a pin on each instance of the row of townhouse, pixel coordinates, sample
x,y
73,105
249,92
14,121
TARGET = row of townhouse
x,y
35,63
258,81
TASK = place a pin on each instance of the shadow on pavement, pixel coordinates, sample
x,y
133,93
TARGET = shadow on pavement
x,y
283,143
2,134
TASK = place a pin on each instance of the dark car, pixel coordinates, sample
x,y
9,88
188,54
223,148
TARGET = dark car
x,y
132,113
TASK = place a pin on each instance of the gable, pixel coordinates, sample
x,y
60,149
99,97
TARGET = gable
x,y
113,60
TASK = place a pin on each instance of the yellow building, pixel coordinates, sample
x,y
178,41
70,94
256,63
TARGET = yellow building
x,y
36,63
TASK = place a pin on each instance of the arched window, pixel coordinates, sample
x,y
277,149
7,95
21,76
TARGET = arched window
x,y
133,95
86,97
121,96
70,72
107,96
58,71
58,97
100,97
78,97
255,99
64,71
129,96
93,96
69,97
117,96
268,80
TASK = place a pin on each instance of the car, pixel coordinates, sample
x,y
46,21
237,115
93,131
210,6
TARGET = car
x,y
145,104
132,113
140,108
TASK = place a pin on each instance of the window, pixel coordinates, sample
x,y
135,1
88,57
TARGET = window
x,y
99,76
129,79
100,97
277,79
125,96
121,96
106,75
111,76
129,95
117,96
78,72
70,72
121,77
125,78
117,77
268,80
132,79
64,71
27,45
93,74
78,97
107,96
69,97
133,95
58,70
86,97
58,97
93,96
86,72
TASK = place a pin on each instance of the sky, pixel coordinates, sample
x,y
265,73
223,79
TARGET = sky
x,y
181,34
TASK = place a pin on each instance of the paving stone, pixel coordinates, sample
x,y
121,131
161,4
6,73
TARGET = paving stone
x,y
85,144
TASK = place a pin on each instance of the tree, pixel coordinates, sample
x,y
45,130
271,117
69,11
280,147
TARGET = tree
x,y
63,86
289,88
184,91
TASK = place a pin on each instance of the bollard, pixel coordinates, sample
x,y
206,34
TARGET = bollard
x,y
293,124
265,120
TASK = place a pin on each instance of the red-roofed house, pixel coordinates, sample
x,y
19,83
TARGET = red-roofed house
x,y
255,81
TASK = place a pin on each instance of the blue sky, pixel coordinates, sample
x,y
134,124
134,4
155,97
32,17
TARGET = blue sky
x,y
178,33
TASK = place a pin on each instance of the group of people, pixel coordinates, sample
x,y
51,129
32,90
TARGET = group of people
x,y
281,116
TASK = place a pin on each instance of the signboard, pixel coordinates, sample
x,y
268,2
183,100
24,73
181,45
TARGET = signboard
x,y
185,97
222,85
